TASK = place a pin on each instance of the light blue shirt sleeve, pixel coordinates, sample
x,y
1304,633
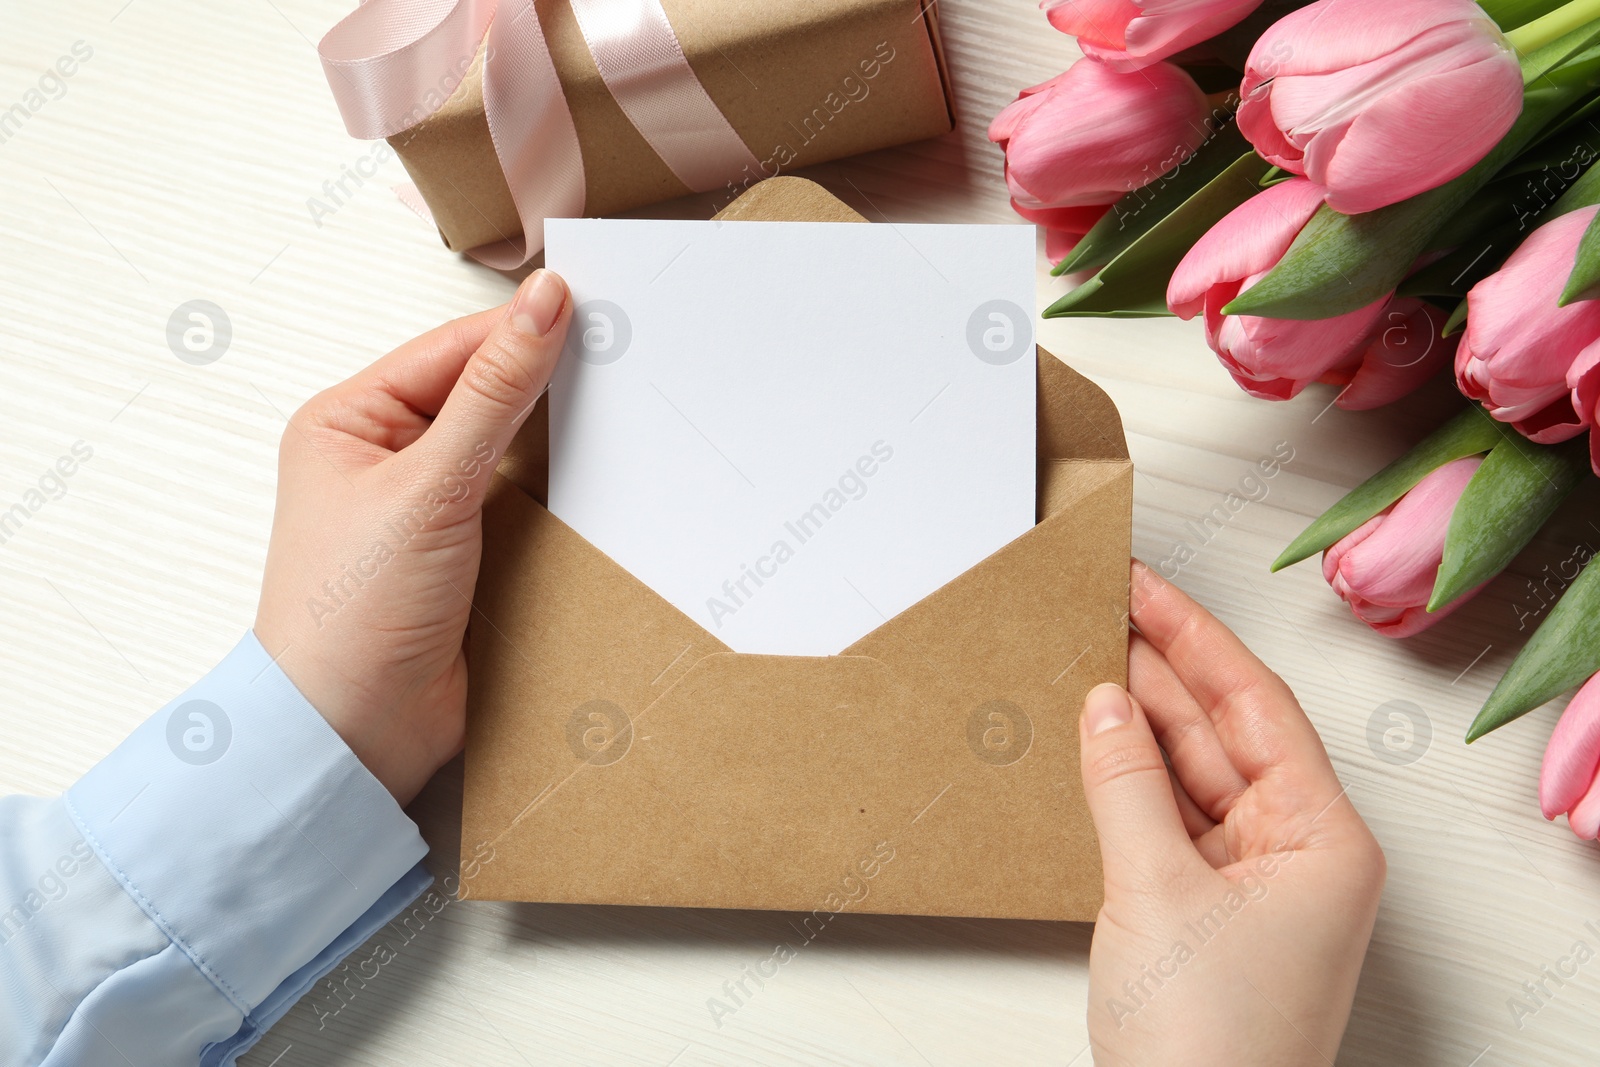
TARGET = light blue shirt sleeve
x,y
180,898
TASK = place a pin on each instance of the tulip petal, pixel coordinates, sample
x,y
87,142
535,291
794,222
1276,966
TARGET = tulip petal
x,y
1583,377
1517,488
1381,617
1302,349
1468,434
1531,276
1261,387
1005,123
1064,226
1320,149
1058,244
1256,122
1405,352
1275,359
1552,424
1421,135
1396,565
1164,29
1335,35
1304,102
1335,552
1128,36
1584,818
1415,619
1380,101
1081,219
1248,241
1096,134
1572,757
1518,349
1092,22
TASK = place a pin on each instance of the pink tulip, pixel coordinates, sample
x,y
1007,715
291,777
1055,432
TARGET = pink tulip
x,y
1584,377
1569,781
1132,34
1078,142
1385,568
1269,358
1379,100
1404,351
1529,362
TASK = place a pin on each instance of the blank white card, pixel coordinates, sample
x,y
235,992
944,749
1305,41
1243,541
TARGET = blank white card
x,y
793,431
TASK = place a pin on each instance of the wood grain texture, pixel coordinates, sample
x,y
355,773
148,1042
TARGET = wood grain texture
x,y
178,164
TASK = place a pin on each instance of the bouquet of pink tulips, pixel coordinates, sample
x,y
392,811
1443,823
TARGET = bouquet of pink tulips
x,y
1365,193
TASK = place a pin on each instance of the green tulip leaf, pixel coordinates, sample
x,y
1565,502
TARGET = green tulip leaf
x,y
1582,283
1456,322
1476,244
1509,14
1134,284
1452,276
1340,263
1468,434
1562,652
1518,486
1133,216
1585,192
1501,200
1560,151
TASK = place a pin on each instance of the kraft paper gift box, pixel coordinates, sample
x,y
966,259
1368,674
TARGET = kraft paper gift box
x,y
618,753
802,82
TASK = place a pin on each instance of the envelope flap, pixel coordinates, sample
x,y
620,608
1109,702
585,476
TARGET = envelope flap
x,y
558,619
788,199
1077,420
1020,619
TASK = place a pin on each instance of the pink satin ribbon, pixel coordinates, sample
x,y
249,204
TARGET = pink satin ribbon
x,y
392,63
643,65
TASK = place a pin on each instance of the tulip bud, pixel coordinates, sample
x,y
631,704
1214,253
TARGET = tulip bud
x,y
1132,34
1269,358
1378,101
1528,361
1568,780
1385,568
1076,143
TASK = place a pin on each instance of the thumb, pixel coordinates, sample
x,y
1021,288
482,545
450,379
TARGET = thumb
x,y
1142,838
503,378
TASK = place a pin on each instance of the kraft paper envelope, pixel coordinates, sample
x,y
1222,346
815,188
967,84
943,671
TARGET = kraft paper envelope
x,y
617,753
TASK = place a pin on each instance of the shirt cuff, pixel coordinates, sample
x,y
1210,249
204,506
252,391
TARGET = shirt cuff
x,y
388,907
248,832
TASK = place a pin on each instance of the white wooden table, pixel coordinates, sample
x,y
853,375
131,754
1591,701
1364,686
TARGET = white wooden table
x,y
177,164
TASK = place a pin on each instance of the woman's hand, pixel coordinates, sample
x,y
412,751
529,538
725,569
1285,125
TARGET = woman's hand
x,y
1241,884
377,534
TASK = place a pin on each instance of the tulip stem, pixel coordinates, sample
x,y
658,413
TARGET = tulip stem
x,y
1558,23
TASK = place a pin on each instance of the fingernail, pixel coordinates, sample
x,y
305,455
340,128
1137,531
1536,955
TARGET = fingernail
x,y
537,303
1106,706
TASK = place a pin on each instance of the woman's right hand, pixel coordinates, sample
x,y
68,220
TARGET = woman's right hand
x,y
1240,883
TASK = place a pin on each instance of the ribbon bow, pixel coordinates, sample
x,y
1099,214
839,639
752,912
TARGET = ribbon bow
x,y
386,60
